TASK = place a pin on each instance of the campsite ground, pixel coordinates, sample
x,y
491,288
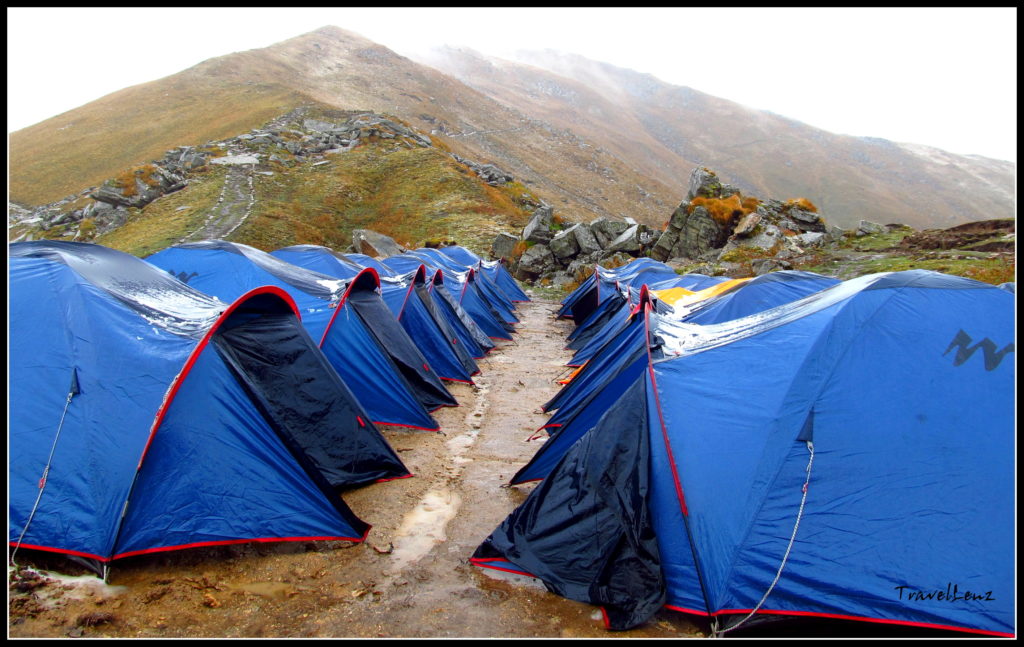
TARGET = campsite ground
x,y
410,578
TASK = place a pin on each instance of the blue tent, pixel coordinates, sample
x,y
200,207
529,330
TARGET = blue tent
x,y
367,331
495,297
756,295
494,270
430,335
465,292
369,261
605,282
324,260
850,456
420,315
138,409
468,331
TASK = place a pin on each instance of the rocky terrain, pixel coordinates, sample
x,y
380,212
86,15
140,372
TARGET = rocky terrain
x,y
716,230
249,175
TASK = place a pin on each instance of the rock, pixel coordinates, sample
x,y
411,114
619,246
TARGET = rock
x,y
703,183
371,243
806,217
563,245
236,159
836,233
503,246
746,226
764,265
647,236
493,175
810,239
605,231
535,261
538,230
318,126
628,241
866,227
767,237
561,279
613,258
729,190
689,235
585,239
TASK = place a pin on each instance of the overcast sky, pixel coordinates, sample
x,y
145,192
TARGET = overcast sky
x,y
941,77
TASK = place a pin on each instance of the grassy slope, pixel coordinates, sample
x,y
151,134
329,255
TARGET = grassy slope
x,y
71,151
412,195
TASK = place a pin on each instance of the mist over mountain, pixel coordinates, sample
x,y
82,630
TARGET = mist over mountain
x,y
591,139
666,130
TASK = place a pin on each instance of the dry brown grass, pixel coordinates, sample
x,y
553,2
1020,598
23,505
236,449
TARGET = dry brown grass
x,y
85,146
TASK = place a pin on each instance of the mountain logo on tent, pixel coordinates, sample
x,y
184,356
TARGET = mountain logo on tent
x,y
962,342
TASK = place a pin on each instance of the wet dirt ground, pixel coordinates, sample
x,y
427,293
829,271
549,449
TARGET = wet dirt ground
x,y
410,578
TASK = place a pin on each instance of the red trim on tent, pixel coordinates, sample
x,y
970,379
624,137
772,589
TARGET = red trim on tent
x,y
194,355
685,610
63,551
258,540
398,424
421,270
484,563
661,416
344,298
395,478
838,616
455,379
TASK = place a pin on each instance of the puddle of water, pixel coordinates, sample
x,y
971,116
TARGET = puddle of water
x,y
424,527
73,587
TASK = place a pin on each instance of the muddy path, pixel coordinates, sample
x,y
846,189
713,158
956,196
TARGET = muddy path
x,y
234,205
410,578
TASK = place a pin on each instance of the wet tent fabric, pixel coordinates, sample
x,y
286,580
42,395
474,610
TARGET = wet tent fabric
x,y
411,363
423,304
612,307
369,261
494,270
389,379
500,302
394,291
463,289
902,386
472,336
320,259
418,314
94,331
757,295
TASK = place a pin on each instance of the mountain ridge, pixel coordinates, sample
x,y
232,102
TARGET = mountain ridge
x,y
593,141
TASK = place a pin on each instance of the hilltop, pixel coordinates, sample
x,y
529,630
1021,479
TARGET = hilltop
x,y
588,138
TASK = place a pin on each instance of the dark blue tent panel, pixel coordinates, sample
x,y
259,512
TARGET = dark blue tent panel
x,y
849,455
113,371
469,333
384,388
